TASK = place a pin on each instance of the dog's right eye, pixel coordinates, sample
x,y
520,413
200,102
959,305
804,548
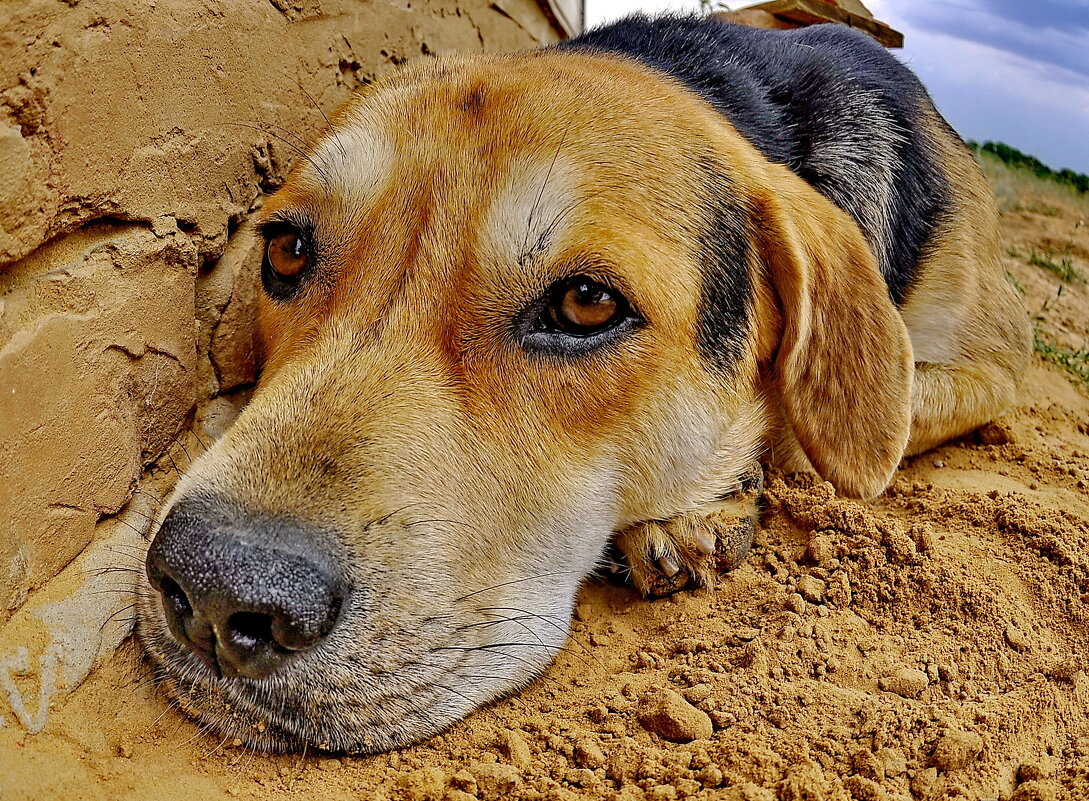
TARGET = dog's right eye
x,y
287,261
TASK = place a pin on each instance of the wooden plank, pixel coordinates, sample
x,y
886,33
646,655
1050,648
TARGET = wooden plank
x,y
816,12
568,14
755,18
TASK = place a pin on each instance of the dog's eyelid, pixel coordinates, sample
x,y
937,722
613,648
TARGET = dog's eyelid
x,y
286,222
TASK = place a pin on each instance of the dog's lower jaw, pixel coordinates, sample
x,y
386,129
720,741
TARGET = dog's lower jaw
x,y
692,549
346,707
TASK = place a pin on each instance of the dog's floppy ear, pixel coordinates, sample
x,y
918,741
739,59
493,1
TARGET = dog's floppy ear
x,y
844,368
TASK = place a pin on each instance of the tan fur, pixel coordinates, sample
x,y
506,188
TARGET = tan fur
x,y
459,473
844,368
967,324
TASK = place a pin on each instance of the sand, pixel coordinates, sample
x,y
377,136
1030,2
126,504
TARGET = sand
x,y
929,645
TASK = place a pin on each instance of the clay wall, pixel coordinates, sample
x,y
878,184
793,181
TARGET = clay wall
x,y
136,140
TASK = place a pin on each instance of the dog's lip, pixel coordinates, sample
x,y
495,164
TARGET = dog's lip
x,y
267,723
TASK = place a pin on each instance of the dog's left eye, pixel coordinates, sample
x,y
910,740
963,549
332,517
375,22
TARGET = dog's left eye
x,y
286,263
286,254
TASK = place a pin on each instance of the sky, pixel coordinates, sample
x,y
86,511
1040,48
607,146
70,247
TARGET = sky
x,y
1015,71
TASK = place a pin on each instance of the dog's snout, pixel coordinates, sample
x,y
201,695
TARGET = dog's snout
x,y
243,593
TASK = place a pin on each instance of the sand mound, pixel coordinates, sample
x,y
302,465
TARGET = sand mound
x,y
930,645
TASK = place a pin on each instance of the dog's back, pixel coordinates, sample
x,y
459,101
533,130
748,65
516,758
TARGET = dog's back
x,y
828,102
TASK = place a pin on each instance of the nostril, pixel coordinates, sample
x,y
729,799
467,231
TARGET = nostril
x,y
251,630
176,597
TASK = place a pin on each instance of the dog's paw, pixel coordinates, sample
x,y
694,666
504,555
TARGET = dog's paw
x,y
693,548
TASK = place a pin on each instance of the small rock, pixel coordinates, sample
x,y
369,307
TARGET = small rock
x,y
949,671
796,604
804,782
1035,770
1016,638
670,716
907,682
939,463
495,780
893,761
722,720
514,747
1035,791
581,777
900,547
821,550
710,776
663,792
698,693
588,754
329,764
811,588
864,789
867,764
926,783
464,780
956,750
995,433
746,634
425,784
686,788
1066,670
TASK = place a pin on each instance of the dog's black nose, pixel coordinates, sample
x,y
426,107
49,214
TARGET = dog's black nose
x,y
241,592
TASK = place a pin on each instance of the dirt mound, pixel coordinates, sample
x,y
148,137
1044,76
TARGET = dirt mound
x,y
931,645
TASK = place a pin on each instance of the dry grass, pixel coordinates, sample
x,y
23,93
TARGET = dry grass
x,y
1021,190
1044,225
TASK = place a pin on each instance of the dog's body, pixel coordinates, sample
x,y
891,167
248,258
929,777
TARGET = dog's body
x,y
517,305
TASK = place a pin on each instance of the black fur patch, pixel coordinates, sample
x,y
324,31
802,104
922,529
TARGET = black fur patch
x,y
827,102
726,288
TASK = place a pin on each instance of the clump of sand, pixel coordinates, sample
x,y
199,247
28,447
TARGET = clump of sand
x,y
930,645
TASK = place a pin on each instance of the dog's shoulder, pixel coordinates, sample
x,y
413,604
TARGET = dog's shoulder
x,y
826,101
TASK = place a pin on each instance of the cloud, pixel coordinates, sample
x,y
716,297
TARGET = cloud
x,y
1059,15
1024,86
1011,70
1051,32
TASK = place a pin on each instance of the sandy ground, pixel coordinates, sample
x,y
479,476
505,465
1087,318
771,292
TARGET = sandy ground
x,y
930,645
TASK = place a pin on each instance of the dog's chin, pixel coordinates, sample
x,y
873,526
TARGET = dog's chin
x,y
283,714
235,717
330,705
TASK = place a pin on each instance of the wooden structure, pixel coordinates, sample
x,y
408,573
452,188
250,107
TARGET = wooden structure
x,y
783,14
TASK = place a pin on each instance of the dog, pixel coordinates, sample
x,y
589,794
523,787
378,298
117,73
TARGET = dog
x,y
518,307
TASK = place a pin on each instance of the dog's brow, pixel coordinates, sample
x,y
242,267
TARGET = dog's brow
x,y
354,159
529,214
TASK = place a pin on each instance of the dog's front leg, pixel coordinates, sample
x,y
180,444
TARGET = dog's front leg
x,y
693,548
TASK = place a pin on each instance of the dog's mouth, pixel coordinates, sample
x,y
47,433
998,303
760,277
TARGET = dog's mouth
x,y
342,701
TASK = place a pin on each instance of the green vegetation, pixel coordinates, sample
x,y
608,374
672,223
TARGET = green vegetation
x,y
1016,284
1075,362
1013,157
1064,267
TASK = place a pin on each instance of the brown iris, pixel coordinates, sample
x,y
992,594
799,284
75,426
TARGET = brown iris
x,y
582,306
286,255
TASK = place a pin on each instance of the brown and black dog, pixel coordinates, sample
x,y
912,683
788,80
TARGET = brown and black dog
x,y
519,307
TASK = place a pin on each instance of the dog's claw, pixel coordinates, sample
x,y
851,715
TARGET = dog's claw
x,y
669,566
692,549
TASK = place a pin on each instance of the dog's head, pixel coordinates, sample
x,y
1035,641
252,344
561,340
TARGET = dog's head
x,y
511,306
